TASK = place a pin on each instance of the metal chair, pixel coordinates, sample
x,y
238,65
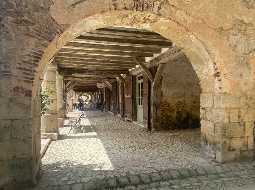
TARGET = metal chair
x,y
77,123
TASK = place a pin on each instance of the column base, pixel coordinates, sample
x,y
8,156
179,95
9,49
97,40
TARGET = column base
x,y
49,123
51,136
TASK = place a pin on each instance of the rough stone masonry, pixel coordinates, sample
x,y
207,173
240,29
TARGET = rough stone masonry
x,y
218,38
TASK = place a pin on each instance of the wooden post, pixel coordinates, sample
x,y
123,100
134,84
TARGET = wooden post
x,y
122,81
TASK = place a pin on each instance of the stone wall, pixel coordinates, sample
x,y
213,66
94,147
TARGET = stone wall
x,y
26,29
179,105
216,36
227,126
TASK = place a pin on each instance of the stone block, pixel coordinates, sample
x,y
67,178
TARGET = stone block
x,y
123,181
77,187
235,130
21,129
226,101
21,148
249,129
207,127
250,143
5,130
220,130
218,115
248,114
234,115
134,179
112,182
208,84
49,123
236,144
227,156
5,152
15,108
5,89
4,170
21,169
155,176
248,154
206,100
145,178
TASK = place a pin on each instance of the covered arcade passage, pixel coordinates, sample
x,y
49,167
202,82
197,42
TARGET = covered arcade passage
x,y
60,39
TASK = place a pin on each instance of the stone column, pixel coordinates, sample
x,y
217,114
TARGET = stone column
x,y
49,121
60,99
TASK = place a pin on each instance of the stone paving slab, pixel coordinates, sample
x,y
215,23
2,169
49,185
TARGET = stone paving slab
x,y
242,174
109,154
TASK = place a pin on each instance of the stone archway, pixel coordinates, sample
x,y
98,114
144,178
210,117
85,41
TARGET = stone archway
x,y
215,97
192,47
228,103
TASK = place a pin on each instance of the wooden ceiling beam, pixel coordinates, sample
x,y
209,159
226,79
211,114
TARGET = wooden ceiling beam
x,y
108,76
95,68
69,71
92,61
129,30
126,40
97,57
85,88
105,50
112,46
105,54
77,64
125,34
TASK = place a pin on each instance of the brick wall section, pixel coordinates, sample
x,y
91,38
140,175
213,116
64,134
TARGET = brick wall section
x,y
26,28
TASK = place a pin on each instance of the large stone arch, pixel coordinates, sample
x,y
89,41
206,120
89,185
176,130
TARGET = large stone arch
x,y
219,46
196,49
208,56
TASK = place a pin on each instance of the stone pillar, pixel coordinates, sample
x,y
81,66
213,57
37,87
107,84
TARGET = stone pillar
x,y
49,121
60,99
155,98
227,126
121,97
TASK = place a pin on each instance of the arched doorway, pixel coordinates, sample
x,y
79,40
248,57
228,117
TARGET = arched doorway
x,y
200,49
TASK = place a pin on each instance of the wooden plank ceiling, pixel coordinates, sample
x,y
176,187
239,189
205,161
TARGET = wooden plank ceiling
x,y
106,53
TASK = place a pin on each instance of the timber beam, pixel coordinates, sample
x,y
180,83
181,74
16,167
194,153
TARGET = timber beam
x,y
83,51
127,47
102,72
102,58
126,40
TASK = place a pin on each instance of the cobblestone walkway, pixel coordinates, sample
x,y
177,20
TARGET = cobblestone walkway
x,y
112,154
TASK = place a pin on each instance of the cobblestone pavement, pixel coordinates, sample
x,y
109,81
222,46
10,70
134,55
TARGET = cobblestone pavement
x,y
112,154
